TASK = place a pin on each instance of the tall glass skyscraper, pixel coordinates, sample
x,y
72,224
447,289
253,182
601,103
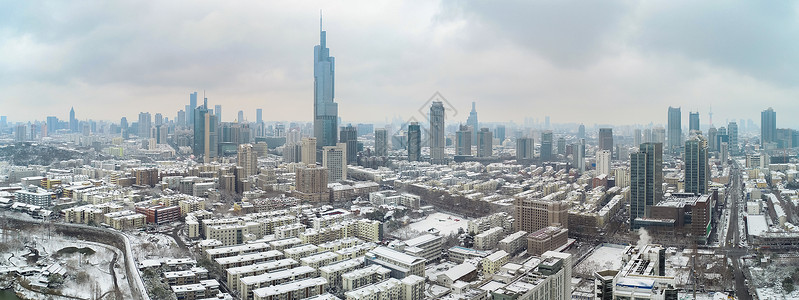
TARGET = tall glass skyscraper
x,y
325,110
696,166
471,121
675,129
437,138
646,181
414,142
768,126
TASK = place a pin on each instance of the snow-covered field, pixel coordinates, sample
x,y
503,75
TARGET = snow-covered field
x,y
445,223
149,245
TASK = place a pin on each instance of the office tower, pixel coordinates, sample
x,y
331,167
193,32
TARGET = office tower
x,y
159,119
484,143
463,139
190,109
581,132
711,138
675,129
334,158
52,125
311,183
693,121
732,135
206,136
471,121
381,142
636,137
73,122
414,142
646,181
437,138
603,162
145,125
325,109
293,137
499,133
217,112
240,117
546,146
546,123
349,136
280,130
525,149
605,139
696,166
123,126
309,150
768,127
578,155
247,159
259,115
561,146
659,135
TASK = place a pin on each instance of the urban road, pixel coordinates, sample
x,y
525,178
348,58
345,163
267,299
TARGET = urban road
x,y
732,244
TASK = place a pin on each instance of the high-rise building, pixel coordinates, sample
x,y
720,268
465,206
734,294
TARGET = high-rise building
x,y
546,145
561,146
414,142
675,129
311,183
190,109
309,150
381,142
636,137
52,125
578,155
659,135
693,121
325,109
334,158
159,119
437,138
581,132
646,181
732,133
768,127
123,126
259,115
73,122
240,117
349,136
605,139
484,145
499,133
696,166
463,138
471,121
217,112
145,125
525,148
711,138
205,133
603,162
247,159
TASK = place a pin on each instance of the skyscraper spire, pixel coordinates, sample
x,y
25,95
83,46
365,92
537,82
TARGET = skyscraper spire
x,y
320,20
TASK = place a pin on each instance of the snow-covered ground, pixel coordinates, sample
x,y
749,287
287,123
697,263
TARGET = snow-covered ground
x,y
153,245
87,276
445,223
604,257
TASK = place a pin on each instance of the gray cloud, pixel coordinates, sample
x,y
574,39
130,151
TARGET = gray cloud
x,y
612,62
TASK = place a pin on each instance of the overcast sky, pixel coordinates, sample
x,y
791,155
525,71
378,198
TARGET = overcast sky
x,y
610,62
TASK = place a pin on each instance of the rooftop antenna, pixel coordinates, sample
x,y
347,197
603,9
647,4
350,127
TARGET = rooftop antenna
x,y
320,20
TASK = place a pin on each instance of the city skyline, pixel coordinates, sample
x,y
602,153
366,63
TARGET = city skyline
x,y
58,64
